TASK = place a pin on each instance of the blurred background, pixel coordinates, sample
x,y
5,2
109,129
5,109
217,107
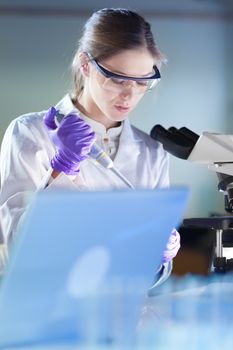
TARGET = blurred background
x,y
37,43
38,40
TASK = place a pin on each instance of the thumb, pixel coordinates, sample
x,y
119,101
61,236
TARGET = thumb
x,y
49,118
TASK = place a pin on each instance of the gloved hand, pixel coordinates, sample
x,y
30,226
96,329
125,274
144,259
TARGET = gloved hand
x,y
172,246
73,139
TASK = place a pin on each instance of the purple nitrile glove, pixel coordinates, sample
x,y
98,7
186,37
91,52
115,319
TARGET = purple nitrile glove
x,y
172,246
73,139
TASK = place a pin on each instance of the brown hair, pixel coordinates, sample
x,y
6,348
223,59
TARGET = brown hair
x,y
109,31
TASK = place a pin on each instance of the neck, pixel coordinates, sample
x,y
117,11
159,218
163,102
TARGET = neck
x,y
89,109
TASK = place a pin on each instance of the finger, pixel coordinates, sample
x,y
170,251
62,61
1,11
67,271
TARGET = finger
x,y
173,245
174,237
175,233
49,118
170,254
76,125
173,240
72,118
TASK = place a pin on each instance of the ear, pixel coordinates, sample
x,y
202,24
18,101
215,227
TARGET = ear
x,y
84,64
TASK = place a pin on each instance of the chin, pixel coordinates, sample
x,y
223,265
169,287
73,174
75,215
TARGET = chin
x,y
119,115
119,118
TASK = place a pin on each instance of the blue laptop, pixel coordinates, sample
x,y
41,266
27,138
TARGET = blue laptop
x,y
82,262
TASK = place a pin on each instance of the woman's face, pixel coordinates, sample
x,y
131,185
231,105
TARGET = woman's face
x,y
107,101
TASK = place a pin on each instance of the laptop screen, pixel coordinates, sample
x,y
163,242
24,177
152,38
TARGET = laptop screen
x,y
76,247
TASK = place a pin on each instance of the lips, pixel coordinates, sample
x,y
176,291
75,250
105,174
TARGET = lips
x,y
122,108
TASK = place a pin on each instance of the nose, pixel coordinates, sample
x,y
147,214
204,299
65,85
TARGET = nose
x,y
127,91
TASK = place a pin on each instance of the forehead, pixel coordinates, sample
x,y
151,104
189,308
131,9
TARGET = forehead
x,y
131,62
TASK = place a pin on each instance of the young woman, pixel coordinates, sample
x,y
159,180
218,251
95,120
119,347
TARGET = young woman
x,y
116,63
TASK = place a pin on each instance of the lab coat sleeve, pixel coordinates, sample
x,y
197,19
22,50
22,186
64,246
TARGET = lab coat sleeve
x,y
18,181
24,164
162,181
161,276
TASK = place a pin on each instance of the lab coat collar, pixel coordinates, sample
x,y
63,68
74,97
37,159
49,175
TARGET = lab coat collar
x,y
100,128
65,105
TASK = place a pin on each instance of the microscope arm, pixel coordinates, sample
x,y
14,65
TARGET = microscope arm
x,y
211,149
215,151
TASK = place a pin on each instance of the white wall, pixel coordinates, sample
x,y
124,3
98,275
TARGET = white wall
x,y
229,75
36,52
192,93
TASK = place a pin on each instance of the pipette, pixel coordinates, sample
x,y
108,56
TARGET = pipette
x,y
100,156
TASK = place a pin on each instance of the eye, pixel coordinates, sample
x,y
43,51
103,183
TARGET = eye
x,y
117,81
142,82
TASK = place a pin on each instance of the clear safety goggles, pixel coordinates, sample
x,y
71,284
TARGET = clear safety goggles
x,y
116,82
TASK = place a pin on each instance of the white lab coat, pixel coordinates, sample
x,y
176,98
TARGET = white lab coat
x,y
25,162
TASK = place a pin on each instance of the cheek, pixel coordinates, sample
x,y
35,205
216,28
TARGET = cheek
x,y
134,100
96,91
103,97
93,87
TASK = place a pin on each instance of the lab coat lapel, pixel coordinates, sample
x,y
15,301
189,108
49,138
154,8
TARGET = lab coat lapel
x,y
129,147
65,106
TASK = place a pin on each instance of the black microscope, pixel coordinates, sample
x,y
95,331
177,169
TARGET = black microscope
x,y
216,151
